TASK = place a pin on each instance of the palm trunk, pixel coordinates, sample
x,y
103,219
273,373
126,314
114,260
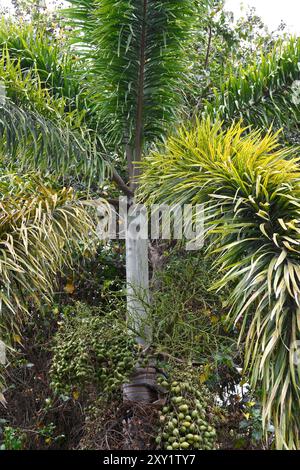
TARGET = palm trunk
x,y
142,385
137,274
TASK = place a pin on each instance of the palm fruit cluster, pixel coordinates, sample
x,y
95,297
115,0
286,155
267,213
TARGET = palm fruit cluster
x,y
183,421
91,349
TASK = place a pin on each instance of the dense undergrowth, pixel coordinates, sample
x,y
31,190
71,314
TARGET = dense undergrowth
x,y
187,319
65,382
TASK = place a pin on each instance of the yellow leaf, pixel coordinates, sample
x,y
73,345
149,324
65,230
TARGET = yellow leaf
x,y
69,287
76,394
202,378
251,403
48,440
247,415
205,374
17,339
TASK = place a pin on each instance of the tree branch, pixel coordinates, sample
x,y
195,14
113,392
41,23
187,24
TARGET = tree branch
x,y
116,178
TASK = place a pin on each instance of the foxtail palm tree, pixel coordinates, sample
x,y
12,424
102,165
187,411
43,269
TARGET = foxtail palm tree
x,y
134,55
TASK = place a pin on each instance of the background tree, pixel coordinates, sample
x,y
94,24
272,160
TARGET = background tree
x,y
220,46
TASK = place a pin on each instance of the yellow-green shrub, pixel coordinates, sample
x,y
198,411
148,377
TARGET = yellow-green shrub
x,y
251,192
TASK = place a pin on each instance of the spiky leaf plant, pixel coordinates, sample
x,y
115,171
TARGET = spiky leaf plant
x,y
40,227
251,192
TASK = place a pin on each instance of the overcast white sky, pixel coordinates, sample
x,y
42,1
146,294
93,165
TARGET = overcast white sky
x,y
272,11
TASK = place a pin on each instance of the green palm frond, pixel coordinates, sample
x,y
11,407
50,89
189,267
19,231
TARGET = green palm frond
x,y
251,191
34,142
135,50
39,131
41,54
263,94
39,126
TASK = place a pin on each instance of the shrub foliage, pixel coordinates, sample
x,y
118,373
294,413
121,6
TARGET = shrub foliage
x,y
250,189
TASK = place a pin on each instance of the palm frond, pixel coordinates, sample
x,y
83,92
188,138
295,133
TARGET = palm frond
x,y
38,131
263,94
39,126
135,50
41,54
31,141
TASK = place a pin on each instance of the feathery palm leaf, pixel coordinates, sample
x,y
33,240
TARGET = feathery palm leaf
x,y
38,131
35,142
263,94
38,52
135,50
